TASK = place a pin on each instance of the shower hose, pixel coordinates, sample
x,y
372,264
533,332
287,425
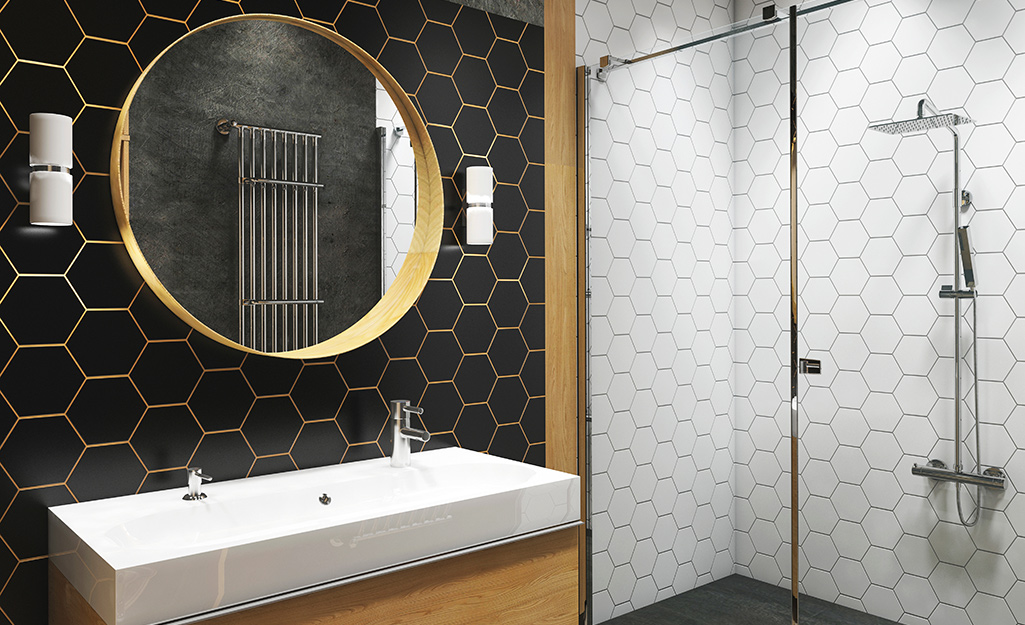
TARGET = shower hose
x,y
972,518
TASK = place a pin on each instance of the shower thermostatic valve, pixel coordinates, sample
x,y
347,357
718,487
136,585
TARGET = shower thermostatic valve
x,y
993,477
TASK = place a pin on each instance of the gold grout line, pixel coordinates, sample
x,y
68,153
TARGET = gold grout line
x,y
74,17
39,63
64,65
132,51
191,12
163,18
70,473
139,25
32,559
295,405
104,40
127,441
223,431
11,502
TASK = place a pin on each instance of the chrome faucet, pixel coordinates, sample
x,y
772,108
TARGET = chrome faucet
x,y
196,479
402,431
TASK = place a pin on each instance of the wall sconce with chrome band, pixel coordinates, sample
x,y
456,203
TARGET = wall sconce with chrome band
x,y
480,190
50,157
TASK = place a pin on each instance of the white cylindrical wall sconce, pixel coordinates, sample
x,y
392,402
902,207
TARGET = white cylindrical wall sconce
x,y
49,198
50,157
479,214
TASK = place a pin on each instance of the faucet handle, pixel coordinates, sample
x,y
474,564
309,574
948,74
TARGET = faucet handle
x,y
413,409
198,472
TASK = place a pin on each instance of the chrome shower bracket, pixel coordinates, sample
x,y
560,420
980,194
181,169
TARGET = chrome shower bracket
x,y
607,64
947,292
966,200
224,126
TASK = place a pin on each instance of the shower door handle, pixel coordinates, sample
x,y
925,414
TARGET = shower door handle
x,y
810,366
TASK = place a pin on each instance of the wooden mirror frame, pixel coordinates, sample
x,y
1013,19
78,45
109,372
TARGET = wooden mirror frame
x,y
423,249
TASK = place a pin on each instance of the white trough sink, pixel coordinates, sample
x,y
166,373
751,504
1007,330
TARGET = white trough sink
x,y
154,558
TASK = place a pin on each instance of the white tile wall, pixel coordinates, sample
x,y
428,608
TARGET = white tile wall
x,y
662,327
399,187
689,204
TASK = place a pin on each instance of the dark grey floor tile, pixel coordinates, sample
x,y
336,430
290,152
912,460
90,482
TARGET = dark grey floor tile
x,y
737,600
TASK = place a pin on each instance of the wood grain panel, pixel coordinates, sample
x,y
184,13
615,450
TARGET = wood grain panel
x,y
562,424
561,324
530,582
560,238
66,605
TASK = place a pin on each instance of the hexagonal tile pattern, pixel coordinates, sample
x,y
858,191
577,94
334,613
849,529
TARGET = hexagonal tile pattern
x,y
875,249
708,122
132,392
626,365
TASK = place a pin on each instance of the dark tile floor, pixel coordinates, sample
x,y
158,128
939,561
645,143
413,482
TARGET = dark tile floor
x,y
738,600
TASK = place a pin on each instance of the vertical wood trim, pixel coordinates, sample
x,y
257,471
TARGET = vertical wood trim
x,y
561,330
560,238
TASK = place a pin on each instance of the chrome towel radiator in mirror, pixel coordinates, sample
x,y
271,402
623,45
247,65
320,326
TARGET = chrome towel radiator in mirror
x,y
277,236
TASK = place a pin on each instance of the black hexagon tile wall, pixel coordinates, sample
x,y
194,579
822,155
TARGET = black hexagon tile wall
x,y
105,393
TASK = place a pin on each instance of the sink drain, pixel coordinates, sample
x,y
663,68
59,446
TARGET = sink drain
x,y
324,499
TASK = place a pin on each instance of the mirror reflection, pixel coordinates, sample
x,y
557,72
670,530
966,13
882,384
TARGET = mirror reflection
x,y
269,182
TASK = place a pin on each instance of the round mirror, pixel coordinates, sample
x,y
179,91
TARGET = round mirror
x,y
276,188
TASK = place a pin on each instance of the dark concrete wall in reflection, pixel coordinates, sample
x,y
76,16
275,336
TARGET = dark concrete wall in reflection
x,y
184,174
529,11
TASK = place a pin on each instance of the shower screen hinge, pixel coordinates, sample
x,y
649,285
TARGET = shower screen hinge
x,y
608,63
810,366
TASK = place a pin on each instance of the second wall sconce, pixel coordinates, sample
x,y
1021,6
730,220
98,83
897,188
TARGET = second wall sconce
x,y
479,214
50,157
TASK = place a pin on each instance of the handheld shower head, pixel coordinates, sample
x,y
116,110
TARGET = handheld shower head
x,y
966,256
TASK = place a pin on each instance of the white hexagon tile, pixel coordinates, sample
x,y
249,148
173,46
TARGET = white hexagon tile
x,y
399,191
689,207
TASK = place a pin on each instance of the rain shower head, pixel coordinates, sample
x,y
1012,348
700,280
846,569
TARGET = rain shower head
x,y
921,124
